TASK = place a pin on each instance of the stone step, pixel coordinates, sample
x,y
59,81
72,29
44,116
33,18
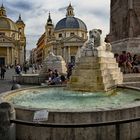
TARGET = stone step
x,y
133,84
97,65
131,77
97,60
95,72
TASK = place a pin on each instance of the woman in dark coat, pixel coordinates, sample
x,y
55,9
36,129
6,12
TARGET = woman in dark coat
x,y
3,70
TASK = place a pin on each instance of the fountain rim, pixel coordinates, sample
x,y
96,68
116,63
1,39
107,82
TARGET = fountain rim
x,y
127,106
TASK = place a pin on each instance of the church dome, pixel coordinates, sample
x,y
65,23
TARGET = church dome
x,y
70,22
7,24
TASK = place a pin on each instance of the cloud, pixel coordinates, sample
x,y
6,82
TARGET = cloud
x,y
22,5
95,14
62,9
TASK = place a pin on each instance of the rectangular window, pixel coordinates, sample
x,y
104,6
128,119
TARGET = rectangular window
x,y
71,34
60,35
1,33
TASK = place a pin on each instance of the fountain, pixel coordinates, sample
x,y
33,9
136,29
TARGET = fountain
x,y
91,96
51,62
96,69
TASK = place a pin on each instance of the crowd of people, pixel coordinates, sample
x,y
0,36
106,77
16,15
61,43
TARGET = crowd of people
x,y
55,78
127,62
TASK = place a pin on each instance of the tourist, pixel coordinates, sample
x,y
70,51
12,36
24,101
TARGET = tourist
x,y
129,61
69,70
122,61
3,70
116,55
135,60
135,63
25,67
18,69
56,73
63,79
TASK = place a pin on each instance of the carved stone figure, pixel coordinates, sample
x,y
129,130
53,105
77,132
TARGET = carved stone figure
x,y
53,62
94,46
95,35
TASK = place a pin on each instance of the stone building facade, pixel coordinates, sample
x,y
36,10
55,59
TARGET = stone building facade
x,y
125,25
66,37
12,40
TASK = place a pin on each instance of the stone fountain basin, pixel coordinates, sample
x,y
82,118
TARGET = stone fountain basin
x,y
128,131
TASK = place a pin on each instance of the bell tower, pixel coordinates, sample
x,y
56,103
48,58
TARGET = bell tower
x,y
49,28
21,34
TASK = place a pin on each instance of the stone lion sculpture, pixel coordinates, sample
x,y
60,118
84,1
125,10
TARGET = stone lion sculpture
x,y
93,45
95,36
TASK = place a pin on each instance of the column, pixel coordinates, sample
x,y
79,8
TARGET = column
x,y
64,55
69,58
79,53
8,56
12,58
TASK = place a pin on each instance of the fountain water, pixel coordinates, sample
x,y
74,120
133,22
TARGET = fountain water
x,y
96,71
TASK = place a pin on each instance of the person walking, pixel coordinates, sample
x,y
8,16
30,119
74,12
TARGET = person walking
x,y
18,69
3,70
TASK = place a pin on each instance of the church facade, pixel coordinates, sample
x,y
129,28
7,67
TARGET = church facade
x,y
125,25
12,40
64,39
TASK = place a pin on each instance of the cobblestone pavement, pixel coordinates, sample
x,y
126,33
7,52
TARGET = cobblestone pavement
x,y
6,84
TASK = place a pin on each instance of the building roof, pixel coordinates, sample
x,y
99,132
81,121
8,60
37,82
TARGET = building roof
x,y
70,22
20,21
7,24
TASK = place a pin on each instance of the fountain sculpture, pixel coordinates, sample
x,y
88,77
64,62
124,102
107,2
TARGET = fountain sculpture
x,y
96,68
53,62
96,72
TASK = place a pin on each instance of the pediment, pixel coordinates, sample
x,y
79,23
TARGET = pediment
x,y
5,39
6,42
73,38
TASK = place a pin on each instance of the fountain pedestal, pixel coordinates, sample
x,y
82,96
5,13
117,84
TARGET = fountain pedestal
x,y
96,69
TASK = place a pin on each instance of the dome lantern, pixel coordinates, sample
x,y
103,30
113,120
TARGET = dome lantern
x,y
70,12
2,11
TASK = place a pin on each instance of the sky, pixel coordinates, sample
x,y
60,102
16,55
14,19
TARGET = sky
x,y
34,13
